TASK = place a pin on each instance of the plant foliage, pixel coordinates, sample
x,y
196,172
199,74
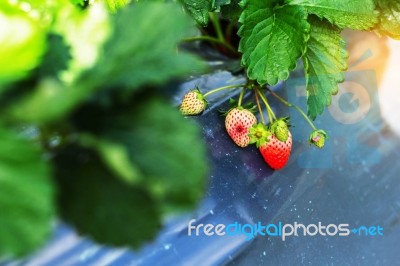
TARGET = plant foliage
x,y
121,169
87,132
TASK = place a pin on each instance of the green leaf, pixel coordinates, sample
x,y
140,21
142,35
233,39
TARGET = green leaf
x,y
84,32
80,3
232,10
165,148
114,5
22,52
324,63
355,14
273,37
56,58
43,12
115,156
199,9
49,101
144,59
389,20
101,205
219,3
166,152
58,90
26,196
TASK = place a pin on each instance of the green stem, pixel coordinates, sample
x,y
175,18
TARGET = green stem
x,y
259,109
223,88
288,104
212,40
229,29
264,99
241,97
270,117
217,26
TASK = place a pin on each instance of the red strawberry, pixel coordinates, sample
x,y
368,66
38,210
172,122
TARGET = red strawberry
x,y
275,152
193,103
238,121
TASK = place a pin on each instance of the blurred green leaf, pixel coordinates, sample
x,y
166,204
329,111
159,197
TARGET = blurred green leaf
x,y
56,57
114,5
80,3
23,42
44,5
143,54
100,205
84,32
115,156
165,148
26,196
132,58
50,100
168,150
116,184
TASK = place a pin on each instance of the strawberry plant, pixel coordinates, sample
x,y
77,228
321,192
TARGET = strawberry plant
x,y
87,132
274,36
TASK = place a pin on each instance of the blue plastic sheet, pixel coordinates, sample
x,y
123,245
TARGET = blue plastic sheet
x,y
354,180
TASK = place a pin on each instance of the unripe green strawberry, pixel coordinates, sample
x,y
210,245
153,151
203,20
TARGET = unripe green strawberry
x,y
238,121
280,129
318,137
193,103
276,153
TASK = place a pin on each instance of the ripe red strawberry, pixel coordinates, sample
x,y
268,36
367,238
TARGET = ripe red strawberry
x,y
275,152
193,103
238,121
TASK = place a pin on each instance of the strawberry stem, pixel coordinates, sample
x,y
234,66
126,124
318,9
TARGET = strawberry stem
x,y
288,104
223,88
217,26
219,39
229,29
259,109
271,115
241,97
211,40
